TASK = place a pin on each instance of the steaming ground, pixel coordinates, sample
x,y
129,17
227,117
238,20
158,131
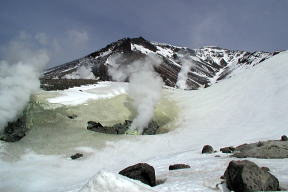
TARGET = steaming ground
x,y
249,107
144,88
18,80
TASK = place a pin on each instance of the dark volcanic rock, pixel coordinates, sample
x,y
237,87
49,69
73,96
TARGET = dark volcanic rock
x,y
179,166
73,116
227,149
284,138
14,131
246,176
273,149
207,149
121,128
61,84
142,172
76,156
97,127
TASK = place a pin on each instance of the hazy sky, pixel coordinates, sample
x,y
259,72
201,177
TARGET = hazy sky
x,y
74,28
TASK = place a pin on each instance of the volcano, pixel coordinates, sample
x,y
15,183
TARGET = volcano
x,y
211,64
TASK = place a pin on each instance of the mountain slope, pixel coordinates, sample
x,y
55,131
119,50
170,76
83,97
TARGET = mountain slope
x,y
195,67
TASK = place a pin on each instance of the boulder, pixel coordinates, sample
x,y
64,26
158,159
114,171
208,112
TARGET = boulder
x,y
246,176
14,131
179,166
121,128
284,138
227,149
207,149
142,172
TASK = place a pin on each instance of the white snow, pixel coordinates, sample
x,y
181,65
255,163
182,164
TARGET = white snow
x,y
164,51
82,72
246,108
106,182
135,47
80,95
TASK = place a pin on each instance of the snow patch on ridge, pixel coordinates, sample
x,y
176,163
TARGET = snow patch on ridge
x,y
80,95
135,47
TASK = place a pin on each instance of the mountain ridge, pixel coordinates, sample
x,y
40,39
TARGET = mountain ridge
x,y
207,65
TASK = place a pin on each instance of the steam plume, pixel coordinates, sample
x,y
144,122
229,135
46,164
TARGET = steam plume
x,y
183,74
19,77
144,87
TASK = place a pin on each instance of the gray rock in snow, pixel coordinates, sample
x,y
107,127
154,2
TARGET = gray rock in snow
x,y
142,172
14,131
273,149
207,149
246,176
121,128
179,166
284,138
227,149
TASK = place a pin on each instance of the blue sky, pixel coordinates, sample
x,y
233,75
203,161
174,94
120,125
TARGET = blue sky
x,y
74,28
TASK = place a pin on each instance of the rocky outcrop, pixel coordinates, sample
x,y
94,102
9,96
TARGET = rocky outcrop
x,y
207,149
227,149
179,166
273,149
14,131
61,84
246,176
142,172
121,128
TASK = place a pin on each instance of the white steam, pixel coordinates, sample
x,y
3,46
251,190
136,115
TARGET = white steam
x,y
183,74
144,88
83,72
19,77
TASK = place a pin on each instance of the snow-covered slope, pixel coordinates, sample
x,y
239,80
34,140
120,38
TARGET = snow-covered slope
x,y
206,65
252,106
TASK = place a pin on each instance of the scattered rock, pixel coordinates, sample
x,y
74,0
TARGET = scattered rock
x,y
227,149
264,149
76,156
260,144
142,172
223,62
217,156
246,176
14,131
179,166
121,128
73,116
207,149
284,138
98,127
